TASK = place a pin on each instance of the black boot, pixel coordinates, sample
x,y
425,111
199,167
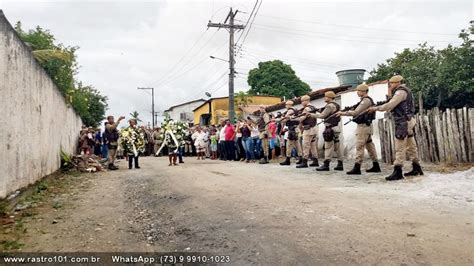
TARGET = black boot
x,y
314,163
300,160
375,168
130,162
324,167
112,167
416,170
355,170
303,164
264,160
286,162
339,166
396,175
136,162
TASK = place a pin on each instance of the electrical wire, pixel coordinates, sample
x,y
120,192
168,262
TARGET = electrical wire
x,y
358,27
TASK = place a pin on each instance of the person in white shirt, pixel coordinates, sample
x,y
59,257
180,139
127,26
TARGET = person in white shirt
x,y
222,154
199,142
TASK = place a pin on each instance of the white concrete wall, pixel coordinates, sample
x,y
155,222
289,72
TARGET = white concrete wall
x,y
35,122
347,137
187,108
377,93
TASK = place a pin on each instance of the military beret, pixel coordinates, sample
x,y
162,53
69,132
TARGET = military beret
x,y
330,94
396,78
305,98
362,87
289,103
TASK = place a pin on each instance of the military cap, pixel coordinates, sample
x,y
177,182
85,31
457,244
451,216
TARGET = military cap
x,y
396,78
305,98
330,94
289,103
362,87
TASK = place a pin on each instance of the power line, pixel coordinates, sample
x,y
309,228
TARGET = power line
x,y
248,20
328,38
188,62
251,23
181,59
331,34
359,27
191,68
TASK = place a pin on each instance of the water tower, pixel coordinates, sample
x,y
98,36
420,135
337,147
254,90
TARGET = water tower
x,y
352,77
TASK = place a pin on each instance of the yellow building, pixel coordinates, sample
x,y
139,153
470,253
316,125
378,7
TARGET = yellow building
x,y
215,109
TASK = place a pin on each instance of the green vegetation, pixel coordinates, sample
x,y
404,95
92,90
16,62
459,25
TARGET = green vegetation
x,y
277,79
445,77
60,62
135,115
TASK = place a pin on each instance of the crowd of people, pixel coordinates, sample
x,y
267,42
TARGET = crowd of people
x,y
293,133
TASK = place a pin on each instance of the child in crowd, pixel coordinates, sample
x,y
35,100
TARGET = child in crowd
x,y
213,139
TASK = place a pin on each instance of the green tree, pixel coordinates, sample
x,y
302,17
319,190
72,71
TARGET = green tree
x,y
135,115
242,98
89,103
443,77
276,78
60,62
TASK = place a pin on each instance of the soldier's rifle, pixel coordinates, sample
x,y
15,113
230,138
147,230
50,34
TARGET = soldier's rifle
x,y
365,111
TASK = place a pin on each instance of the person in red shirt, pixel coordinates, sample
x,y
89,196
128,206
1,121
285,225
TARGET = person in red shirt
x,y
272,128
229,141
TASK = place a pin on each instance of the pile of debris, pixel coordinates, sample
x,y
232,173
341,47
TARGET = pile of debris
x,y
88,163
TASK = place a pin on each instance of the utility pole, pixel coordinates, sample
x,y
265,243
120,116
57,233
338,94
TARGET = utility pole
x,y
231,27
152,104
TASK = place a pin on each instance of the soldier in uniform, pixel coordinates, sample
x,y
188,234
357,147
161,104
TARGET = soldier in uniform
x,y
264,134
111,135
402,107
363,131
331,131
292,138
310,134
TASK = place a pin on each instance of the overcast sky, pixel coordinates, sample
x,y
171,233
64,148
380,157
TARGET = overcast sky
x,y
166,44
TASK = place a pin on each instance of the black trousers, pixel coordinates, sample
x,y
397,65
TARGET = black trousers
x,y
240,149
230,150
132,158
222,151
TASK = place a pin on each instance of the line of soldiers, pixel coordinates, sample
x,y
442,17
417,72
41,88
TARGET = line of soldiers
x,y
401,105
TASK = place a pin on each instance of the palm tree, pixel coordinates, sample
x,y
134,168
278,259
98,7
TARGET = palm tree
x,y
135,115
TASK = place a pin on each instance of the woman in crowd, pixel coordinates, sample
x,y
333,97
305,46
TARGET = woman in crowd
x,y
257,143
200,143
272,132
247,142
238,139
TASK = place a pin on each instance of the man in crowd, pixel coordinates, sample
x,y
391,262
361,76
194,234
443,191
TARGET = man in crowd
x,y
111,135
229,135
156,140
292,137
264,134
363,131
310,134
331,131
402,107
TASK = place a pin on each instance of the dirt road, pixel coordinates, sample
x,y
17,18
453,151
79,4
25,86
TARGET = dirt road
x,y
267,214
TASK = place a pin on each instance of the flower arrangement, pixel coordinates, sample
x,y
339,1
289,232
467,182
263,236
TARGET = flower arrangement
x,y
132,140
173,133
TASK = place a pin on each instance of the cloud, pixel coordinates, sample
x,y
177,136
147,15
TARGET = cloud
x,y
130,44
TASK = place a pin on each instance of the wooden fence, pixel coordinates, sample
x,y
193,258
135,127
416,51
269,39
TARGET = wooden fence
x,y
441,136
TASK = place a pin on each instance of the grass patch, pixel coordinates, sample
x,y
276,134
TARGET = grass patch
x,y
11,244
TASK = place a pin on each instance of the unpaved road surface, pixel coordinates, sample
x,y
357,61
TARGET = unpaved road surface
x,y
270,215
